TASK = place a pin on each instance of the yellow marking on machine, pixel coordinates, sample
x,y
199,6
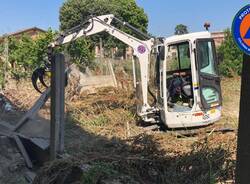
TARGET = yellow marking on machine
x,y
195,85
212,111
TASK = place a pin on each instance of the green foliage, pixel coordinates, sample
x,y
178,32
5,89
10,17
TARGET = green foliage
x,y
1,48
181,29
100,120
98,172
230,56
82,53
23,56
26,54
73,12
42,44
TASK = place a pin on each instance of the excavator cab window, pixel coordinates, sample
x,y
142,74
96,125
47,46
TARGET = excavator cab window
x,y
179,78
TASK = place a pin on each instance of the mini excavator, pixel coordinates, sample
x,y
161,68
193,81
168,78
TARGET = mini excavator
x,y
179,72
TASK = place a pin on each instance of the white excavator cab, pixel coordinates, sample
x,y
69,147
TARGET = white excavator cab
x,y
189,92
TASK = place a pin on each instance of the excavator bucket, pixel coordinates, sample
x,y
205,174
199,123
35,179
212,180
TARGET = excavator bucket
x,y
38,75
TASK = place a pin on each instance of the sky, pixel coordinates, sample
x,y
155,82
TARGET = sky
x,y
163,15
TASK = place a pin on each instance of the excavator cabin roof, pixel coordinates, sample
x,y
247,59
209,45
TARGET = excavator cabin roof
x,y
186,37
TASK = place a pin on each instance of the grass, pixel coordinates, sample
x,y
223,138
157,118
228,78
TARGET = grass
x,y
99,131
102,132
98,171
231,99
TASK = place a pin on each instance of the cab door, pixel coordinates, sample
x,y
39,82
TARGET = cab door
x,y
209,80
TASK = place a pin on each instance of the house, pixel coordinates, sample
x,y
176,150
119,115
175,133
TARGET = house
x,y
218,37
32,32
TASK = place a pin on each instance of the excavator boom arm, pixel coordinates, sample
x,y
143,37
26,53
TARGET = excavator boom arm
x,y
142,50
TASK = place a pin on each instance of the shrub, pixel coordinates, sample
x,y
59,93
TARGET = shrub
x,y
230,57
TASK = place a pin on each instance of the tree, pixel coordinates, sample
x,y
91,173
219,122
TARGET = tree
x,y
73,12
22,55
230,56
181,29
81,53
26,54
41,44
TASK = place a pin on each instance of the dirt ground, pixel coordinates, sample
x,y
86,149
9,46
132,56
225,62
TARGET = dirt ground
x,y
103,138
